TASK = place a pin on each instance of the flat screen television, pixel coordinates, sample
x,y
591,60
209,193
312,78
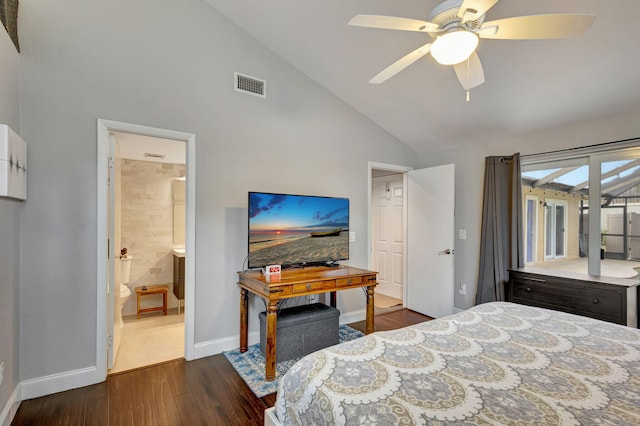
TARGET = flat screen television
x,y
291,230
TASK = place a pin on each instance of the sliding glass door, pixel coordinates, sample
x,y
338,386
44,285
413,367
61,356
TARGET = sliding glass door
x,y
554,227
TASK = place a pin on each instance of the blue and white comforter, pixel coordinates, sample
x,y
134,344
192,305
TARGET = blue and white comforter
x,y
497,363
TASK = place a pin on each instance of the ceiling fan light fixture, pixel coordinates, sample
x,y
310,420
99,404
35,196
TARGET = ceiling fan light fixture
x,y
454,47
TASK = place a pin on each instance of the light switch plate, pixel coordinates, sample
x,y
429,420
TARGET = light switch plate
x,y
352,236
462,234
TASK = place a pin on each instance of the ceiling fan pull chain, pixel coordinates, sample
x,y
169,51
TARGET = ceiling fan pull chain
x,y
468,74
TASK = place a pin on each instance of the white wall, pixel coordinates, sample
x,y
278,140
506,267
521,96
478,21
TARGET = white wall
x,y
10,212
469,163
167,64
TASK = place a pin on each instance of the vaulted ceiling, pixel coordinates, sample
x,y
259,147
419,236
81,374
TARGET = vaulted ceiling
x,y
529,84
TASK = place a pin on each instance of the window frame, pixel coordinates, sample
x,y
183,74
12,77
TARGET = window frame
x,y
595,155
534,242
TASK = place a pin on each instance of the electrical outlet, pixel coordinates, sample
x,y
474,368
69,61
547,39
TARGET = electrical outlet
x,y
463,288
1,372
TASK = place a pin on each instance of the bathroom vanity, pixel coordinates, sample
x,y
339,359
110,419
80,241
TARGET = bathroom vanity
x,y
178,275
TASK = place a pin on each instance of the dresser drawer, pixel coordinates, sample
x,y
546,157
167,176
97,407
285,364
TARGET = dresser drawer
x,y
313,286
601,301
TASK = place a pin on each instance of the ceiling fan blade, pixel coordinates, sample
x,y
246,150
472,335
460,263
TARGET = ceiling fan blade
x,y
536,27
401,64
469,72
471,10
393,23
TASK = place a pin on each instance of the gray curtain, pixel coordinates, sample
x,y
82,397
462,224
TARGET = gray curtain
x,y
9,18
501,240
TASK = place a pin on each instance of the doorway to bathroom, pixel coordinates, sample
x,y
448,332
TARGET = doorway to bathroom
x,y
149,215
149,180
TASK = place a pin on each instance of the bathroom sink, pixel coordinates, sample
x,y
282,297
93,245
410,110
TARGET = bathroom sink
x,y
179,252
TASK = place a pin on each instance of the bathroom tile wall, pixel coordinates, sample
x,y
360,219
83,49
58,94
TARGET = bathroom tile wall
x,y
147,226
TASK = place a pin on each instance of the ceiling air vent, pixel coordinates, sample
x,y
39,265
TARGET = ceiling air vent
x,y
250,85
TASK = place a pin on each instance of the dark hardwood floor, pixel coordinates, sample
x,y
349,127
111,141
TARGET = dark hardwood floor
x,y
393,320
207,391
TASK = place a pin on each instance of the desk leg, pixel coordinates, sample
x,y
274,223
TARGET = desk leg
x,y
244,319
333,300
272,327
370,310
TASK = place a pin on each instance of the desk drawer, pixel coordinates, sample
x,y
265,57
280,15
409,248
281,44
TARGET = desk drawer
x,y
365,280
314,286
344,282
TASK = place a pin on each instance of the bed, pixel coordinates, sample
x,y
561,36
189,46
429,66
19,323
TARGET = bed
x,y
496,363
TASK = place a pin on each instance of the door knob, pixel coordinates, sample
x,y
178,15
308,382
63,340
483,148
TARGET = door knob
x,y
447,251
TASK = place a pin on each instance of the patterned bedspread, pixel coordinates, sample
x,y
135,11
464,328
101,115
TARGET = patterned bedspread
x,y
497,363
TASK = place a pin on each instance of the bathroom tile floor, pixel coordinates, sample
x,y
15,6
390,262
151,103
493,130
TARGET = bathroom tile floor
x,y
152,339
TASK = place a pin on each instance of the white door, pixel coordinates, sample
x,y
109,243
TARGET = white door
x,y
387,200
113,267
430,216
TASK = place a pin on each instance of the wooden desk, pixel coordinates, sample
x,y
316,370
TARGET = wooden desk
x,y
295,283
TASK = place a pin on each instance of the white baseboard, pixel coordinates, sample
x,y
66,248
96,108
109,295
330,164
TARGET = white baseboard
x,y
11,408
355,316
214,347
54,383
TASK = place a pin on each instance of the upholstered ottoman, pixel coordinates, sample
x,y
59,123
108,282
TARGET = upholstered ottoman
x,y
302,330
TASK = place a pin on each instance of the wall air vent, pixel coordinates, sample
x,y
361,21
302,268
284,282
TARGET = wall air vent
x,y
250,85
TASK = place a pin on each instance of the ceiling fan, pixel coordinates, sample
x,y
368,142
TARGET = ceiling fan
x,y
456,27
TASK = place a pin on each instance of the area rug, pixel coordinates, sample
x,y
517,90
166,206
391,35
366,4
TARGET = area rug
x,y
251,364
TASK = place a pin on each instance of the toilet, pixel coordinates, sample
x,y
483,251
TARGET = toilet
x,y
125,274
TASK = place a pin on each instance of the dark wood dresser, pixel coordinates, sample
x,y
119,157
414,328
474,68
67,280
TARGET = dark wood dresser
x,y
605,298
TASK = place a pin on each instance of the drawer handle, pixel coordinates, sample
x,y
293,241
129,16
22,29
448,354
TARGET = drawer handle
x,y
308,286
528,289
349,281
596,301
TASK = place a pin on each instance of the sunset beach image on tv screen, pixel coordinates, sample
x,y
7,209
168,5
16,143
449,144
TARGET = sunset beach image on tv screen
x,y
287,229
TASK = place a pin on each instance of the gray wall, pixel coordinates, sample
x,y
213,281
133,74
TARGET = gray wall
x,y
167,64
10,212
9,301
469,163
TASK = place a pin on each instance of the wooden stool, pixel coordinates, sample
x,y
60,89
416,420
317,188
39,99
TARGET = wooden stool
x,y
153,289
